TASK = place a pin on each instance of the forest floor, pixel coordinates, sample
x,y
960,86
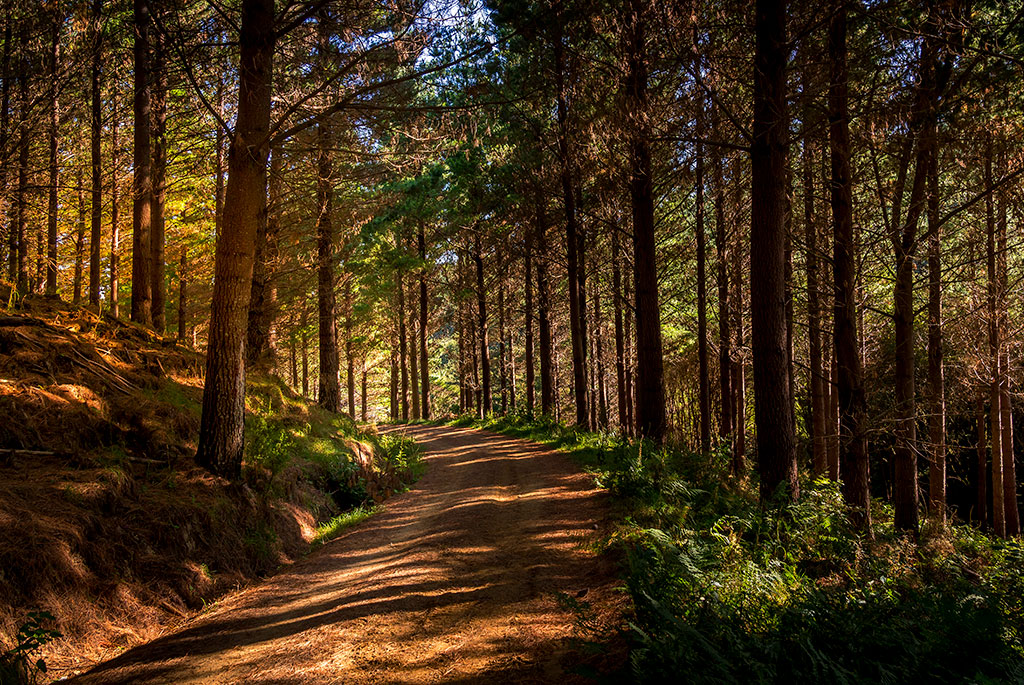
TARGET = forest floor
x,y
459,580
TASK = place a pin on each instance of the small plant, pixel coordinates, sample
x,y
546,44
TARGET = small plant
x,y
19,663
268,450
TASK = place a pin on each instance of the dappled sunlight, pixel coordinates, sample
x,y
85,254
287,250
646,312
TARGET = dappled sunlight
x,y
457,578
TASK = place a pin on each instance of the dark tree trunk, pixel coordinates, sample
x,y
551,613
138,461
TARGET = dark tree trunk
x,y
995,345
572,243
362,393
393,386
620,339
96,155
936,380
738,309
51,212
329,383
424,357
219,142
414,373
293,360
816,371
725,426
350,362
485,363
650,385
5,135
115,225
502,364
305,353
849,388
221,428
19,234
142,194
1012,515
528,322
547,393
773,400
76,288
159,199
403,347
981,457
262,304
704,374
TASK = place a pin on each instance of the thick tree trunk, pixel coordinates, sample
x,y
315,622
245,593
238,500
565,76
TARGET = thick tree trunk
x,y
849,390
773,400
725,424
424,357
350,362
263,294
159,200
329,382
51,211
142,194
650,385
486,406
221,427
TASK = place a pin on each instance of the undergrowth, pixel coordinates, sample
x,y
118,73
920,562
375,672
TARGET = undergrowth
x,y
725,591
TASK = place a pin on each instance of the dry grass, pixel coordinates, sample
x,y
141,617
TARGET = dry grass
x,y
114,530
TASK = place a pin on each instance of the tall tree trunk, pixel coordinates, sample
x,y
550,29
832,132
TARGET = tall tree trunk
x,y
219,142
362,394
547,393
414,371
1012,516
96,132
981,459
350,362
738,310
602,390
5,132
159,180
703,372
528,322
305,352
936,381
773,400
849,388
76,288
620,339
403,347
424,358
485,363
572,240
221,427
293,359
725,425
329,383
142,194
650,384
21,213
51,212
816,371
183,304
262,294
115,226
393,387
502,365
995,345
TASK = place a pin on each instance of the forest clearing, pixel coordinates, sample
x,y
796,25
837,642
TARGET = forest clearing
x,y
738,283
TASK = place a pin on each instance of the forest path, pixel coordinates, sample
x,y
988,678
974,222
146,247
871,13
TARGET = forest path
x,y
454,582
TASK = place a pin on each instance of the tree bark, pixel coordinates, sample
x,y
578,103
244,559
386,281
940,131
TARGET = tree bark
x,y
773,400
329,383
502,365
703,372
159,199
262,297
115,226
76,287
620,339
20,229
414,373
96,155
816,371
350,361
183,305
142,194
725,424
424,357
528,322
485,363
849,390
221,426
1012,516
547,394
936,380
403,347
51,212
650,384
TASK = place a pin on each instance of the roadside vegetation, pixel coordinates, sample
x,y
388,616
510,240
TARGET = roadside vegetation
x,y
728,591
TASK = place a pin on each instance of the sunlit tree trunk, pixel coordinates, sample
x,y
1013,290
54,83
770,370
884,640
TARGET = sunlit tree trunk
x,y
703,371
115,225
142,195
424,357
76,287
329,382
51,212
486,406
159,180
547,393
403,347
221,426
96,132
183,305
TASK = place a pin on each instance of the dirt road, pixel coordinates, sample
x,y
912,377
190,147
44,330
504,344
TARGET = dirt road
x,y
454,582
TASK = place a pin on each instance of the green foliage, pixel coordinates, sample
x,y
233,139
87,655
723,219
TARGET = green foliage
x,y
18,664
725,591
334,527
268,447
403,455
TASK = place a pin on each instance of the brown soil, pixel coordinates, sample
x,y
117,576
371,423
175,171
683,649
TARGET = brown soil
x,y
455,581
